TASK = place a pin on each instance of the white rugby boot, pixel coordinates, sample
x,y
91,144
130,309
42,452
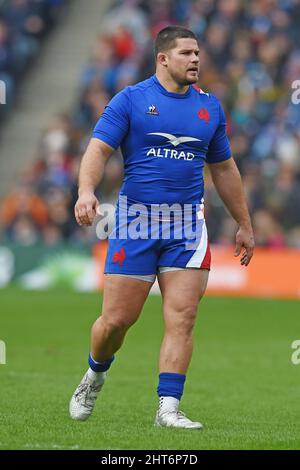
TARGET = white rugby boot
x,y
84,398
168,415
175,419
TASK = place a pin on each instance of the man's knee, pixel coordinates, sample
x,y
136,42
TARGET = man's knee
x,y
181,320
118,322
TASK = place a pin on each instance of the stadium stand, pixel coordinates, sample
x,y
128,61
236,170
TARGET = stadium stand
x,y
23,26
250,55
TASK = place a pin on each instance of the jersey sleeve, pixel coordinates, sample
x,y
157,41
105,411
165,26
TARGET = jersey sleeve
x,y
113,124
219,147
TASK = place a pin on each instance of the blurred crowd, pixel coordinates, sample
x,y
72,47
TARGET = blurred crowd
x,y
23,25
250,55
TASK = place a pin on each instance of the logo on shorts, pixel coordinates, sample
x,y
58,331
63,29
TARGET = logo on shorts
x,y
203,114
152,110
119,257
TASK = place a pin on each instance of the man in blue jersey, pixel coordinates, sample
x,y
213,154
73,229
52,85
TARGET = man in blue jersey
x,y
168,129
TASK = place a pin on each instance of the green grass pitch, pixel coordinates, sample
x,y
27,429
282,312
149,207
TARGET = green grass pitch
x,y
241,383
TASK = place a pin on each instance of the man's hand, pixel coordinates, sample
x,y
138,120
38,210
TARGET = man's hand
x,y
244,239
86,208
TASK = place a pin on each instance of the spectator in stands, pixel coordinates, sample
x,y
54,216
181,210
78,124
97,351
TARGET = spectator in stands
x,y
23,204
23,24
266,229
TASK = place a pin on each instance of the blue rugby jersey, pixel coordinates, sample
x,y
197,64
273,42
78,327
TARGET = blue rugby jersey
x,y
165,139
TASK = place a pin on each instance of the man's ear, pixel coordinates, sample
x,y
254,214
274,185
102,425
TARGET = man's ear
x,y
162,58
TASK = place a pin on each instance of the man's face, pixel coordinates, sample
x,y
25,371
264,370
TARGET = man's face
x,y
183,61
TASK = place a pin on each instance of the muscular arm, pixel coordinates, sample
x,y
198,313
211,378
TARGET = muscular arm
x,y
90,174
227,180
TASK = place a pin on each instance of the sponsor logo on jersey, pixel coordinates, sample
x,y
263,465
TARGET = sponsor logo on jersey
x,y
172,139
152,110
171,153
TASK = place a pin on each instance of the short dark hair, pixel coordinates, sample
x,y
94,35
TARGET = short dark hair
x,y
166,38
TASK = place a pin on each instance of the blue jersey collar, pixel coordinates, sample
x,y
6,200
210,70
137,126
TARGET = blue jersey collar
x,y
169,93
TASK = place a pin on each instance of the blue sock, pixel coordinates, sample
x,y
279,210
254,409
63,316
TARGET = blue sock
x,y
100,366
171,385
